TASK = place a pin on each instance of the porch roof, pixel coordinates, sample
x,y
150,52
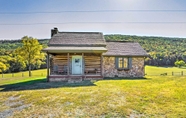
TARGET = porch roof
x,y
75,49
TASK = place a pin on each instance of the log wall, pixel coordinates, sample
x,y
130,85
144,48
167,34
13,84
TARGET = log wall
x,y
59,64
137,69
91,63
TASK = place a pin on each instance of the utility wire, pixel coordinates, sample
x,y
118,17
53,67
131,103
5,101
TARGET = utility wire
x,y
54,12
95,23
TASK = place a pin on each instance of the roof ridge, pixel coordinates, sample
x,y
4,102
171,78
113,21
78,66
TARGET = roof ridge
x,y
122,41
81,32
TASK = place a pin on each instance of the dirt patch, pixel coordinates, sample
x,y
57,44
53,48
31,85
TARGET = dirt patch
x,y
15,104
135,114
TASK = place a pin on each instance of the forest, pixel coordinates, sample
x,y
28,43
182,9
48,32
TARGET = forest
x,y
163,51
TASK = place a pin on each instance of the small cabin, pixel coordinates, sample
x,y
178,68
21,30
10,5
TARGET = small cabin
x,y
77,56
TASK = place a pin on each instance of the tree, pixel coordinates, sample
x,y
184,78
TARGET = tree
x,y
2,67
30,52
16,63
179,63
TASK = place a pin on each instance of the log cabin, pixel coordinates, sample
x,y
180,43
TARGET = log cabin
x,y
77,56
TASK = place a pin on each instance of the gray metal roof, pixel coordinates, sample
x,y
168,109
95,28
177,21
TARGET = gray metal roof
x,y
77,39
124,49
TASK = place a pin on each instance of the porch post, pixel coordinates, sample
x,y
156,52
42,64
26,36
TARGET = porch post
x,y
101,64
48,66
83,66
68,65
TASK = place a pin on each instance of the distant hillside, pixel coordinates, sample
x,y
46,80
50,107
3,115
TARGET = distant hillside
x,y
13,44
163,51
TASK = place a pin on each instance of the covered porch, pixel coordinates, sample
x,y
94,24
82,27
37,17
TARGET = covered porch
x,y
74,65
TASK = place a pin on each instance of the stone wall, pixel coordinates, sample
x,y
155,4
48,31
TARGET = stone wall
x,y
73,79
109,69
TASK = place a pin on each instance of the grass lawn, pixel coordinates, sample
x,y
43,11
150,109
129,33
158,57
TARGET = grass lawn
x,y
154,71
35,73
153,96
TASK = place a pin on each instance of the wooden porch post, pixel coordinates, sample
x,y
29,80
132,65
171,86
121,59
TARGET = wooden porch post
x,y
68,64
101,64
83,66
48,66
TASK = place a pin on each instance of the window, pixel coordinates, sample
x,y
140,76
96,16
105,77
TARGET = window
x,y
120,63
123,63
76,60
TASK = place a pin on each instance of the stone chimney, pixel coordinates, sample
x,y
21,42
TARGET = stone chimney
x,y
54,31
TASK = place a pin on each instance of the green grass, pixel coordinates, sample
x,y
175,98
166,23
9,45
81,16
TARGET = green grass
x,y
35,73
153,96
153,70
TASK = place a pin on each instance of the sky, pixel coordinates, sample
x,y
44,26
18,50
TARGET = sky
x,y
36,18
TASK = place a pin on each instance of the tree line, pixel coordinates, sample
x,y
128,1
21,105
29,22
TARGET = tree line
x,y
163,51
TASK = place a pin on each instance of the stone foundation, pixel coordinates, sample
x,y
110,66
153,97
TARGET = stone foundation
x,y
137,69
73,79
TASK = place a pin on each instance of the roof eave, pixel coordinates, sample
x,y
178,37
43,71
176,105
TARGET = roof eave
x,y
80,45
74,51
126,55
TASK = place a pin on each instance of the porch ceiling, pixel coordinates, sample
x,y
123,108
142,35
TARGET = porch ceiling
x,y
75,49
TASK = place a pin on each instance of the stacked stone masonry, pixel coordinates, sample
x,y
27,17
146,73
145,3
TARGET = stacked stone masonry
x,y
110,69
71,80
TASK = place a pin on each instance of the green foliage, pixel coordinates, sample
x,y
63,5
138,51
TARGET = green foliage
x,y
9,45
3,67
14,62
163,51
179,63
4,63
30,52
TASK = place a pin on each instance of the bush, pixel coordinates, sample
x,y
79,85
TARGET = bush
x,y
180,63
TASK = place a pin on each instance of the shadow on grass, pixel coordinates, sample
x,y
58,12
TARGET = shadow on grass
x,y
42,84
127,78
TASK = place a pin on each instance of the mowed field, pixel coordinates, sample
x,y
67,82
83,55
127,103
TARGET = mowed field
x,y
151,96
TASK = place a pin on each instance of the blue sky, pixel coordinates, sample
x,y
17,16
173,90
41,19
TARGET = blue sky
x,y
19,18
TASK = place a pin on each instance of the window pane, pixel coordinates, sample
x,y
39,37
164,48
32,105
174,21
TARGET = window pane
x,y
120,62
125,62
76,60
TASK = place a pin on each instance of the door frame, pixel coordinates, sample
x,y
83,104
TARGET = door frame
x,y
81,61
